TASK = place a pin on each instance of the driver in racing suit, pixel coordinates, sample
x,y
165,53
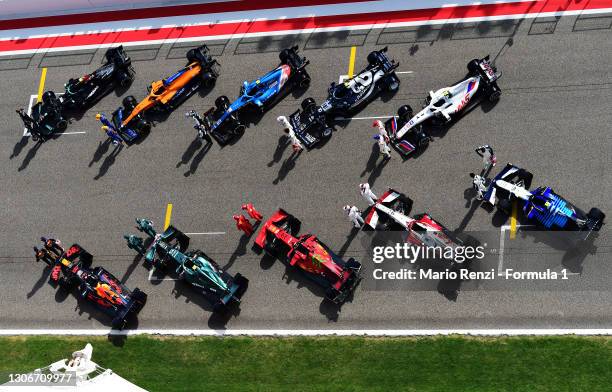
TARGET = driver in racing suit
x,y
480,185
29,123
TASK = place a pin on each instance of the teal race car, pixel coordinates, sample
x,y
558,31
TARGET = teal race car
x,y
169,252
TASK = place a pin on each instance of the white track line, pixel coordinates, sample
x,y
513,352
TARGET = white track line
x,y
502,239
33,98
363,118
310,332
342,78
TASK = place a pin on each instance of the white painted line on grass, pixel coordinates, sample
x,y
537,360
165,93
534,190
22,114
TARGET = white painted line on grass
x,y
312,332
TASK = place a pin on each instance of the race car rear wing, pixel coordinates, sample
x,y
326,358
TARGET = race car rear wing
x,y
488,70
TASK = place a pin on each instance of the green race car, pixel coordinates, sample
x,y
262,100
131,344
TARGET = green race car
x,y
169,250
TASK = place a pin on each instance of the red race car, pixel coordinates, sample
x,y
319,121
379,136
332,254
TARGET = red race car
x,y
278,238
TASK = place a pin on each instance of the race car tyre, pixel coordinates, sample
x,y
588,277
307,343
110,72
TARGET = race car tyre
x,y
308,103
405,112
424,141
140,298
197,55
129,103
65,283
219,307
326,133
505,206
293,225
304,80
473,67
372,58
526,177
243,284
118,323
114,55
208,79
597,215
143,126
62,125
48,97
284,56
123,78
239,129
391,83
494,95
335,296
110,54
222,102
353,264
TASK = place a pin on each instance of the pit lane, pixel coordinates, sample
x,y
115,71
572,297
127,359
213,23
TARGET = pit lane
x,y
553,119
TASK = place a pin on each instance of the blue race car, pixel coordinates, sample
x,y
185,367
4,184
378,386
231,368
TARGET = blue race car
x,y
224,120
542,204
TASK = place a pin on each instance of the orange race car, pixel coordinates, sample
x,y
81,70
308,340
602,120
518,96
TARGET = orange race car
x,y
165,95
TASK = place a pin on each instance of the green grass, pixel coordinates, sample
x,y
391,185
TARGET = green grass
x,y
336,364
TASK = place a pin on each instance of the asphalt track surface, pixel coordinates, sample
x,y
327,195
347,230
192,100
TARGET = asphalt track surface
x,y
554,119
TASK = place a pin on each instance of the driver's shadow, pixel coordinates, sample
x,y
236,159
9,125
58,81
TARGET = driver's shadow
x,y
18,147
196,159
29,156
108,161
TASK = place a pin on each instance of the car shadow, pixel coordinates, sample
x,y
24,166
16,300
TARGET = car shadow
x,y
218,319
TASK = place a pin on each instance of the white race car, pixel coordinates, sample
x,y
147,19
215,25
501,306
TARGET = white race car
x,y
443,104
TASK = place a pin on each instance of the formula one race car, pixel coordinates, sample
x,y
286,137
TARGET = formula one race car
x,y
224,120
169,250
165,95
312,123
309,254
50,115
390,212
541,205
72,270
445,104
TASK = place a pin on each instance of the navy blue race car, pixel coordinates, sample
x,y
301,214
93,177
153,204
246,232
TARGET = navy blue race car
x,y
541,205
313,123
71,270
224,121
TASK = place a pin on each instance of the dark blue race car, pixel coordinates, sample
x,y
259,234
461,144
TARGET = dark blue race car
x,y
224,120
541,205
